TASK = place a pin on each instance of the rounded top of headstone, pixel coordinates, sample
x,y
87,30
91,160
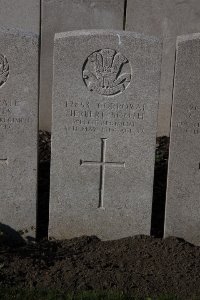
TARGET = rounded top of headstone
x,y
117,33
18,32
187,37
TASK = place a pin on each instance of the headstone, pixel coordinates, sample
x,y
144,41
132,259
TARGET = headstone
x,y
166,19
183,192
66,15
18,130
21,14
106,86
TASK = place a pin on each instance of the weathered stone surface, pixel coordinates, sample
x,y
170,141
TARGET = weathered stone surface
x,y
165,19
18,129
66,15
106,86
21,14
183,193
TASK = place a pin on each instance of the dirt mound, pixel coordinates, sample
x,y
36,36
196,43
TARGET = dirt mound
x,y
139,265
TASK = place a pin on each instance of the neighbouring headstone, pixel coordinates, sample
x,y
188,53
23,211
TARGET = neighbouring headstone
x,y
105,98
66,15
21,14
183,191
18,130
166,19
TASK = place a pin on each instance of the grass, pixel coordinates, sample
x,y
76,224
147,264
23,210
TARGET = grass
x,y
14,294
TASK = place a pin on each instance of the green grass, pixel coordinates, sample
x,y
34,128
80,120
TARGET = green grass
x,y
14,294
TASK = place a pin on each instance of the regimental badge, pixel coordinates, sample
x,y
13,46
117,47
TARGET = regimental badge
x,y
4,70
107,72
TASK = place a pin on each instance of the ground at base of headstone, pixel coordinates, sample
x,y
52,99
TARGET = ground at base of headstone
x,y
140,266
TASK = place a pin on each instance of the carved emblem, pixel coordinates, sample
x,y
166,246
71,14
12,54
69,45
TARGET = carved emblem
x,y
107,72
4,70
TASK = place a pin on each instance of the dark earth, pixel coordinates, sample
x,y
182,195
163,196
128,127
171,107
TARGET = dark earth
x,y
138,265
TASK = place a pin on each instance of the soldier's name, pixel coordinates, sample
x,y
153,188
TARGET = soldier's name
x,y
106,105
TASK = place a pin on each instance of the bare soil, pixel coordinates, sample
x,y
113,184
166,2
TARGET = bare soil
x,y
137,265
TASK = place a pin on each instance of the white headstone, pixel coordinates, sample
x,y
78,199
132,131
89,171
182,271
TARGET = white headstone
x,y
183,191
105,100
18,129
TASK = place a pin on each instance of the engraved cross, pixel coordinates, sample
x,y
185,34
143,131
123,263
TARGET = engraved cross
x,y
102,164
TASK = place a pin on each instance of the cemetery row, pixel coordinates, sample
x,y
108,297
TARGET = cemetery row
x,y
105,105
165,19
